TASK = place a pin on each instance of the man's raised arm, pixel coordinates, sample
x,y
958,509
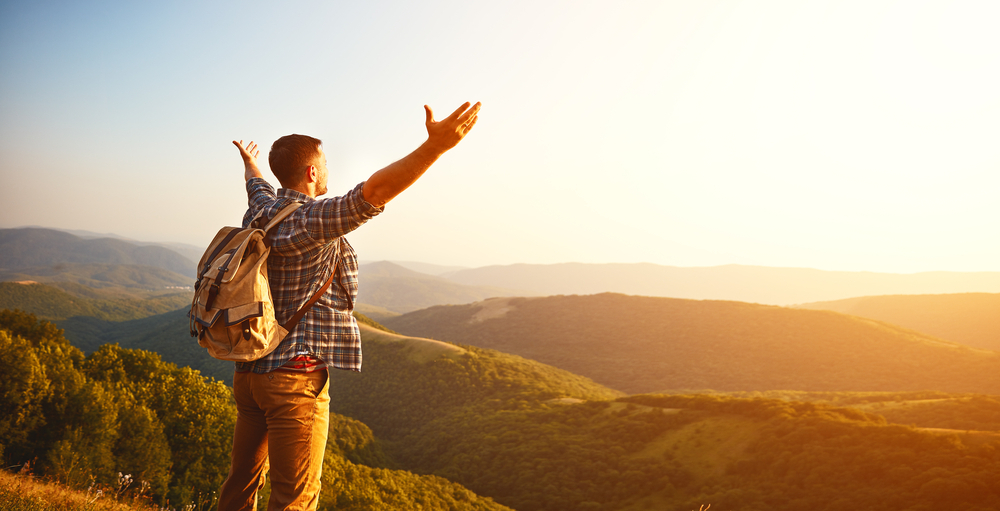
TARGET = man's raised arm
x,y
442,135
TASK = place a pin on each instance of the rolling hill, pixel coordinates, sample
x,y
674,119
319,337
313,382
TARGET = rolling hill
x,y
123,278
393,287
972,319
35,247
55,304
642,344
756,284
535,438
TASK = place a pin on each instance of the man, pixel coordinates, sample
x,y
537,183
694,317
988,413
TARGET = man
x,y
282,400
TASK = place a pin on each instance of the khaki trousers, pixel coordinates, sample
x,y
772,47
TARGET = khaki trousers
x,y
283,418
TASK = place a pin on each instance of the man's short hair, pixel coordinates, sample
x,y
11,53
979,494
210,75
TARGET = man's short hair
x,y
290,155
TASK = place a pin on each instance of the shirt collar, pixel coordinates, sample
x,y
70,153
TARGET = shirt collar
x,y
295,195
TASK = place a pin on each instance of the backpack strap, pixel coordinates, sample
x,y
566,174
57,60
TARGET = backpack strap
x,y
299,314
282,214
315,298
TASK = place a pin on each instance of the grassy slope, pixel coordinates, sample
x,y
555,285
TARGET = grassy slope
x,y
642,344
26,493
968,318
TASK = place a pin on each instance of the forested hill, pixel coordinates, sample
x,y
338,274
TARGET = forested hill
x,y
37,248
972,319
642,344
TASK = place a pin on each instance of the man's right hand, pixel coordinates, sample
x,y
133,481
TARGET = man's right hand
x,y
448,132
249,154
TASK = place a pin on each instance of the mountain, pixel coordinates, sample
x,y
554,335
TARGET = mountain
x,y
534,438
642,344
34,248
393,287
55,303
757,284
430,269
191,252
972,319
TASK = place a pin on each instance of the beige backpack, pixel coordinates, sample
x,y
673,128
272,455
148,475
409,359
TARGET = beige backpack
x,y
232,314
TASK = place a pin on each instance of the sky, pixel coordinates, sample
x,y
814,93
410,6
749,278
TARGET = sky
x,y
841,135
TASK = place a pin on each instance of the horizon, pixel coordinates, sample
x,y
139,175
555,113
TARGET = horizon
x,y
403,263
852,136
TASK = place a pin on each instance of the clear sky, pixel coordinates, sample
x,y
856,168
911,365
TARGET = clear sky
x,y
835,135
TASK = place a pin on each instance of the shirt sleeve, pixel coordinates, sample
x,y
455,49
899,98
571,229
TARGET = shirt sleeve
x,y
329,219
260,195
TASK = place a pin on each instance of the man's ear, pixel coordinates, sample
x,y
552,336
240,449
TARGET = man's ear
x,y
312,175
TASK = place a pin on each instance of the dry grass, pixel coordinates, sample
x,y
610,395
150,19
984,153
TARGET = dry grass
x,y
420,350
28,493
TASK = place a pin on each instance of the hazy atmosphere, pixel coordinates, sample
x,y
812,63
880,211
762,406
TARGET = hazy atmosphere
x,y
830,135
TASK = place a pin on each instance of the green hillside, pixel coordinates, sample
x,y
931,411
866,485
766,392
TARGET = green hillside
x,y
462,376
529,437
166,334
82,420
643,344
534,437
972,319
52,303
35,247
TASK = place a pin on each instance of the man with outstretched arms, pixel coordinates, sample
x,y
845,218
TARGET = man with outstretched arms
x,y
282,400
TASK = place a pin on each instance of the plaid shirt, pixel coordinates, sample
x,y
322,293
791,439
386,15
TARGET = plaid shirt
x,y
304,249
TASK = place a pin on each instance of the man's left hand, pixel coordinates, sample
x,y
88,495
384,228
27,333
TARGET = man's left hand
x,y
249,154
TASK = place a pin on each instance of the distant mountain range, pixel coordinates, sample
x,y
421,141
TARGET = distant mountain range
x,y
398,289
405,286
37,249
187,250
972,319
755,284
642,344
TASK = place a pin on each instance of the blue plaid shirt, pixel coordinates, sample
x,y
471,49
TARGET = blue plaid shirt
x,y
304,250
